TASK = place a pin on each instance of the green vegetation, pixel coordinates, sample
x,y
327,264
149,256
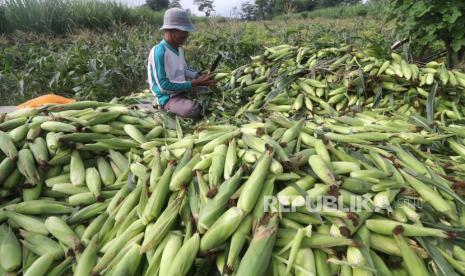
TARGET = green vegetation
x,y
428,21
306,106
85,65
63,16
267,9
103,65
370,9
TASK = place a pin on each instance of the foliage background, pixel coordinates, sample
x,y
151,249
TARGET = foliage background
x,y
87,49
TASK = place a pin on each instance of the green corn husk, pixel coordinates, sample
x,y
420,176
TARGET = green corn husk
x,y
10,250
214,207
252,187
222,229
185,257
155,233
258,255
170,250
88,258
40,266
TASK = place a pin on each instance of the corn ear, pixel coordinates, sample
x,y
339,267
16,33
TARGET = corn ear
x,y
258,255
185,257
10,250
170,250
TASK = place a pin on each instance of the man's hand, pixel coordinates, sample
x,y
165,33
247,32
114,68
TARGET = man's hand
x,y
204,80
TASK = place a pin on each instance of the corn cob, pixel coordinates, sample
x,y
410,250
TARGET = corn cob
x,y
258,255
159,195
412,261
222,229
27,167
6,168
10,250
42,207
216,169
117,244
60,230
155,233
58,127
253,185
230,159
429,195
28,223
61,268
88,212
215,207
184,175
185,256
105,172
92,179
260,207
173,244
19,134
93,227
129,262
210,146
40,266
77,171
322,170
13,123
41,245
385,227
128,204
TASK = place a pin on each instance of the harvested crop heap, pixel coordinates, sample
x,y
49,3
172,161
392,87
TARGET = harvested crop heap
x,y
96,188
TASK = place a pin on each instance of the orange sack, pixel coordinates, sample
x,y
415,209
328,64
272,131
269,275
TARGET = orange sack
x,y
45,99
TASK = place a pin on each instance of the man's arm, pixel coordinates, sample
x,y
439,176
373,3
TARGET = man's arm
x,y
161,78
189,73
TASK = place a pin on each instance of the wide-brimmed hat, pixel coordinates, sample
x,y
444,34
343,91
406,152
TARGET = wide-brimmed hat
x,y
176,18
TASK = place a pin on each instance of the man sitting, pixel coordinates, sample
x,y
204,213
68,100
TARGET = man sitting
x,y
167,70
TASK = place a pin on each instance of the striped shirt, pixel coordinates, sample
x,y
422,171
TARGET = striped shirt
x,y
167,72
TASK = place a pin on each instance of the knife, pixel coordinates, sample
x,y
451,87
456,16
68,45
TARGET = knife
x,y
215,63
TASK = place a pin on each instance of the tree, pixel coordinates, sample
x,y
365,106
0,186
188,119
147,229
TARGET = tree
x,y
265,8
205,6
175,4
332,3
157,5
249,11
428,21
304,5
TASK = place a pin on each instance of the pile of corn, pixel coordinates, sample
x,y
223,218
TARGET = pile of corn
x,y
93,188
294,80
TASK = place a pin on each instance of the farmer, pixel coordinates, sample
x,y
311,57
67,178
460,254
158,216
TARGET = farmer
x,y
168,75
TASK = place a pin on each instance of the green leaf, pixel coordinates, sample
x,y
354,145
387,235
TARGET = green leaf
x,y
419,9
451,18
378,96
458,44
430,103
443,267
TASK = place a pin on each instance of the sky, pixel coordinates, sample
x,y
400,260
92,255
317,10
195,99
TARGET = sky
x,y
222,7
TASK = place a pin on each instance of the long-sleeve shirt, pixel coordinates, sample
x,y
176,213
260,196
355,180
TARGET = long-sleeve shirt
x,y
168,72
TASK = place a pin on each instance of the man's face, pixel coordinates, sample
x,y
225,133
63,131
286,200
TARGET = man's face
x,y
177,36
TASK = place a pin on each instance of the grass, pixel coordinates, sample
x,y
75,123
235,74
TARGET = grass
x,y
346,11
63,16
